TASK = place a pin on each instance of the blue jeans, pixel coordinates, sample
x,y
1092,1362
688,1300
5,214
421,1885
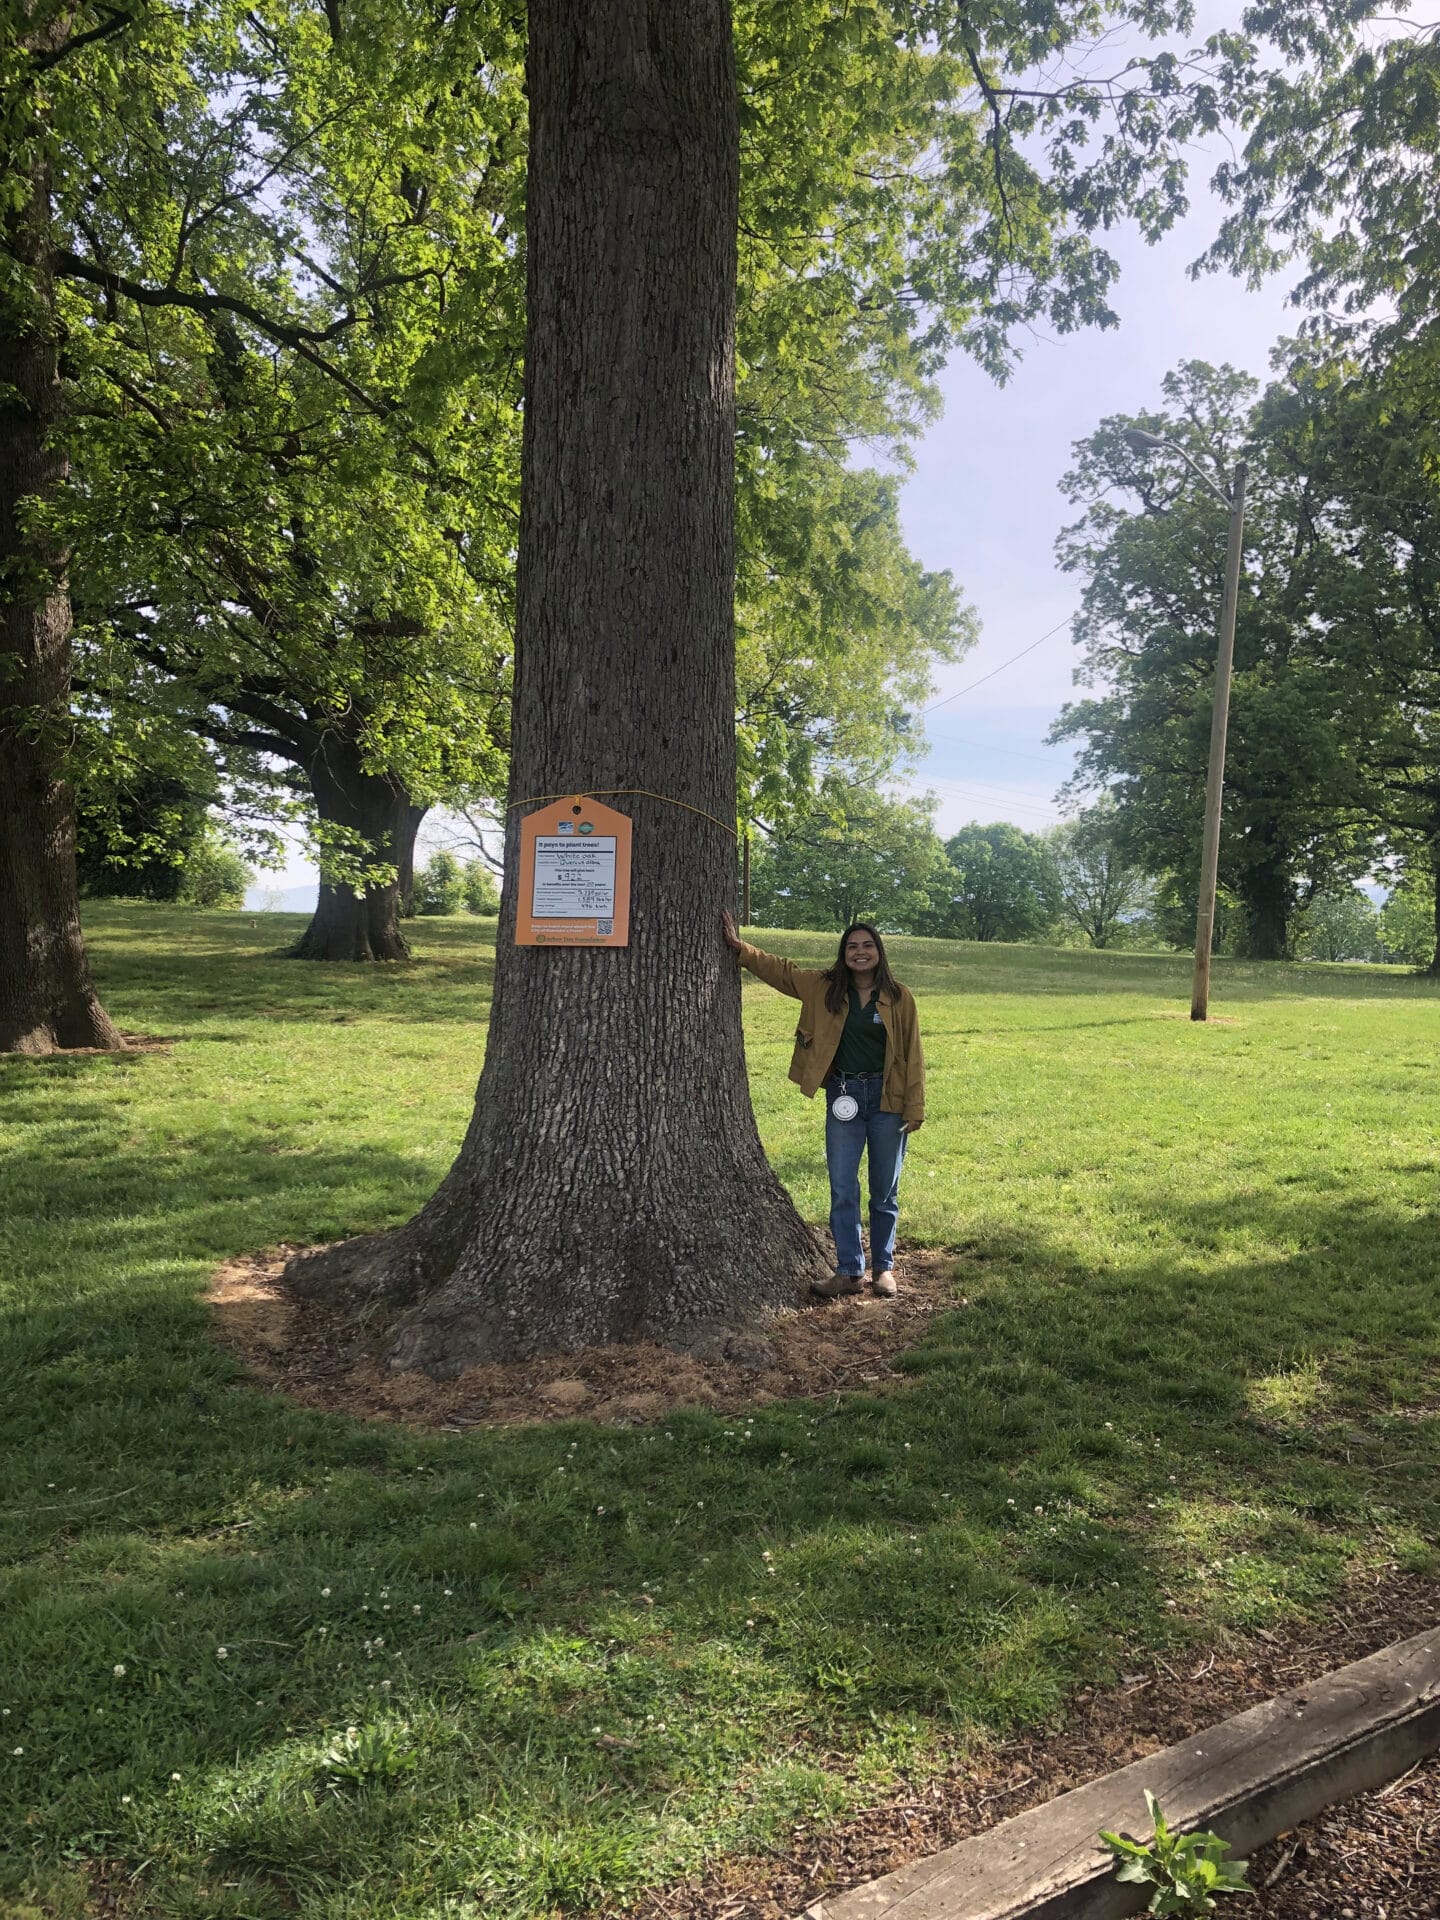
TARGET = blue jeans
x,y
845,1141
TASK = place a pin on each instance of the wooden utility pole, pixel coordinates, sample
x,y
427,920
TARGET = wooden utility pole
x,y
1215,778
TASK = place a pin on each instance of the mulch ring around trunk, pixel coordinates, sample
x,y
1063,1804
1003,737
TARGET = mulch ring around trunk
x,y
1375,1859
321,1357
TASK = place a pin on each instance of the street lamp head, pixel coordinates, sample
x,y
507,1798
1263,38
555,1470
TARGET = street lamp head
x,y
1139,441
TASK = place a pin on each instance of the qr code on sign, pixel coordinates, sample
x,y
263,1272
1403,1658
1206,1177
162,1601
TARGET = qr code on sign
x,y
604,926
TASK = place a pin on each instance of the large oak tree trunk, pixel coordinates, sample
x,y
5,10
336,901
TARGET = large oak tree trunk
x,y
612,1185
1268,900
47,999
351,923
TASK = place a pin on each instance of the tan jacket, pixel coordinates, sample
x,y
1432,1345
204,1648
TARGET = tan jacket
x,y
818,1031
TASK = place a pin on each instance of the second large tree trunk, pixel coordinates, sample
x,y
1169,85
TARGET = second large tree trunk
x,y
1268,896
612,1185
360,923
47,1000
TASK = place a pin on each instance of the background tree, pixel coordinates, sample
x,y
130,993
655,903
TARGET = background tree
x,y
440,885
863,857
1362,440
997,883
1338,166
1097,887
481,893
1152,574
295,507
444,886
1407,920
838,631
1340,925
47,999
214,874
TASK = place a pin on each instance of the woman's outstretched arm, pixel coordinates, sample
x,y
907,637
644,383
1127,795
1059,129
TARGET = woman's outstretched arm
x,y
783,975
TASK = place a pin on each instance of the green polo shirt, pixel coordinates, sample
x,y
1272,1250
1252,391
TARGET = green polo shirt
x,y
862,1043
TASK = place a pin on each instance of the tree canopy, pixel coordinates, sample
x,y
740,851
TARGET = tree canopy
x,y
865,858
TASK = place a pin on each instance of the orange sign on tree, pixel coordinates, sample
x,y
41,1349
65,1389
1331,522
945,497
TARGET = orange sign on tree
x,y
574,876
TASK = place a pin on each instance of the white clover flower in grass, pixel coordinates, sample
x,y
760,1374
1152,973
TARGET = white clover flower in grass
x,y
119,1669
18,1752
222,1653
324,1593
174,1776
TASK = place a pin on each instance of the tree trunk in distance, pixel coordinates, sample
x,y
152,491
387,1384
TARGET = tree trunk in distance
x,y
1434,966
406,870
612,1185
47,999
1267,902
348,924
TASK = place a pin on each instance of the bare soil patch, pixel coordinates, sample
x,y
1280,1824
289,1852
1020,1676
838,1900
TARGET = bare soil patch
x,y
322,1357
1157,1705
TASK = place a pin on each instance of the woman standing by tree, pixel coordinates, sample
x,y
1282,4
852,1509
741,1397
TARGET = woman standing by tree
x,y
859,1038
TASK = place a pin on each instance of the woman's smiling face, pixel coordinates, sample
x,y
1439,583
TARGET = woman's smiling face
x,y
861,954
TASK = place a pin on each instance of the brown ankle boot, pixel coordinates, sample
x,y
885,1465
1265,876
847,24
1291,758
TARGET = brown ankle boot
x,y
838,1285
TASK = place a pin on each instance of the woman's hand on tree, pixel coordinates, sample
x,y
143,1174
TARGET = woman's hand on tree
x,y
727,929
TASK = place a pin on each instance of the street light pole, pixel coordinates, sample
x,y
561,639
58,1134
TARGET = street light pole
x,y
1141,442
1215,778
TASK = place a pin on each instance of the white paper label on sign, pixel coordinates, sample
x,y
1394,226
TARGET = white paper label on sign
x,y
574,878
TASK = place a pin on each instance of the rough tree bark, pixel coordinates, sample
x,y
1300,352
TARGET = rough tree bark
x,y
612,1185
47,999
351,924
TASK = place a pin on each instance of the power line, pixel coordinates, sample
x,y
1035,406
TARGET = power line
x,y
961,691
1042,811
1013,753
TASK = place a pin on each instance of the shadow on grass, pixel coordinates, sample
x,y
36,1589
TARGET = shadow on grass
x,y
586,1634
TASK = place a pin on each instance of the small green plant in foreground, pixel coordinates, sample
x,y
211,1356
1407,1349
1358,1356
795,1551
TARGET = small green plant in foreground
x,y
1185,1872
364,1756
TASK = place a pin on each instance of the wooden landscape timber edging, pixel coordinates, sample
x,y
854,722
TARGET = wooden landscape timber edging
x,y
1250,1778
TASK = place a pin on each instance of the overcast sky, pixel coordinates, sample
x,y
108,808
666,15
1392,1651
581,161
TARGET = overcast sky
x,y
984,500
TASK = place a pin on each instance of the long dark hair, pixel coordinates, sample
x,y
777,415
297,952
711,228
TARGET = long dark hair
x,y
837,992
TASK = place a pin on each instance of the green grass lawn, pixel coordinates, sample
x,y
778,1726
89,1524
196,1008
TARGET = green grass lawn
x,y
1196,1384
